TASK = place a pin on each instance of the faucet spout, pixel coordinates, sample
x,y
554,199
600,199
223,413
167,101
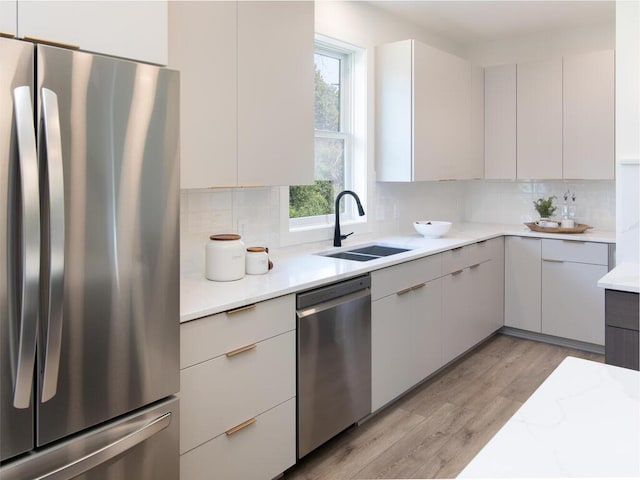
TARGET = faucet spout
x,y
337,236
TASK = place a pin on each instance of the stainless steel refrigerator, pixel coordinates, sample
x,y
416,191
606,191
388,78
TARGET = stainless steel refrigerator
x,y
89,266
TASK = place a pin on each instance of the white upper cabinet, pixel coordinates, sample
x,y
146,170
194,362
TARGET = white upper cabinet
x,y
500,122
424,105
8,17
247,89
539,119
202,46
588,116
130,29
476,154
275,93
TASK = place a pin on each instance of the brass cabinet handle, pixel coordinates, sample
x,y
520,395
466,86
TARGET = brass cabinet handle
x,y
416,287
240,309
552,260
237,428
402,292
246,348
51,42
457,272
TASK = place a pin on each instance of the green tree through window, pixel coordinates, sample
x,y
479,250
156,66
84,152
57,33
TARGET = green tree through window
x,y
318,199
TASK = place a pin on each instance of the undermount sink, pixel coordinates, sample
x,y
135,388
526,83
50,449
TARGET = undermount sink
x,y
364,254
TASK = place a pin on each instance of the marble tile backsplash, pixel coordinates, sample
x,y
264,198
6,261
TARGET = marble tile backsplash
x,y
254,213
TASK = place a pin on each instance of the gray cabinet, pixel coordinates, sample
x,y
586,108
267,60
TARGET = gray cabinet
x,y
621,335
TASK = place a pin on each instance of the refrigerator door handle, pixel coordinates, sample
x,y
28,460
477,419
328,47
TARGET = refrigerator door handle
x,y
55,203
106,453
29,246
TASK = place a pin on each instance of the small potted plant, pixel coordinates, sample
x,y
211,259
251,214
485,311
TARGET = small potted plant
x,y
545,208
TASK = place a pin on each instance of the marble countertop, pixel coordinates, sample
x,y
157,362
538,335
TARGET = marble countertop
x,y
583,421
294,272
625,277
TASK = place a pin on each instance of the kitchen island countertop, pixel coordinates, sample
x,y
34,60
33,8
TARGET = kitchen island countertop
x,y
624,277
583,421
294,272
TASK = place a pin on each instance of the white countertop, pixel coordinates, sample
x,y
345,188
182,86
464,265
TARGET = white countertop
x,y
625,277
200,297
583,421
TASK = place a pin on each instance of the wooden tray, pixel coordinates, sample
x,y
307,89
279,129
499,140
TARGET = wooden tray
x,y
580,228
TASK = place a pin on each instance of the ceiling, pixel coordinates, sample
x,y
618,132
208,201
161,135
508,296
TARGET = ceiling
x,y
482,21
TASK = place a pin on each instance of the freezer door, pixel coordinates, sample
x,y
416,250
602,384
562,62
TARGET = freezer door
x,y
16,433
142,446
108,132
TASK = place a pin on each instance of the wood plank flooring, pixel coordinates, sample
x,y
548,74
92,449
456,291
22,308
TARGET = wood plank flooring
x,y
435,430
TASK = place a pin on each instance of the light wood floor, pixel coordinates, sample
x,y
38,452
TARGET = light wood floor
x,y
435,430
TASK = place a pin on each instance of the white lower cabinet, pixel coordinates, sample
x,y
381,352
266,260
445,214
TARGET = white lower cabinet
x,y
260,451
237,393
551,287
405,340
430,319
472,296
522,283
405,327
572,303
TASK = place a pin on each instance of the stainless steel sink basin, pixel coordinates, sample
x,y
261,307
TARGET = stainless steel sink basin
x,y
364,254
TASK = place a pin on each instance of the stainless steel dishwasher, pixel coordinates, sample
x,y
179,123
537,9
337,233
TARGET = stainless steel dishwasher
x,y
334,360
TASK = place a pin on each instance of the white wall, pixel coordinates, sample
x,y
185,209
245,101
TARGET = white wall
x,y
627,131
528,48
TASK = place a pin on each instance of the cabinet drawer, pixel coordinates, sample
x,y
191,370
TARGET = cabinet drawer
x,y
621,309
212,336
221,393
395,279
575,251
262,450
463,257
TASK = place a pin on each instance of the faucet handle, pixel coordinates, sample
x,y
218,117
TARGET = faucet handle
x,y
342,237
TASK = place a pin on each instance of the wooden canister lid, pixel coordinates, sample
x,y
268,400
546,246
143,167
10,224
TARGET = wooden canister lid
x,y
224,237
257,249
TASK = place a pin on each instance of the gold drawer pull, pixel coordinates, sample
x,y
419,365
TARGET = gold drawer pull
x,y
457,272
237,428
246,348
241,309
402,292
552,260
51,42
416,287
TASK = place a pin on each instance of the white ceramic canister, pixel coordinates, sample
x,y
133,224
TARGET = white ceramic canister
x,y
224,259
257,261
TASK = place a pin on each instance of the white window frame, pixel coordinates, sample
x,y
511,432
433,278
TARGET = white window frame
x,y
353,117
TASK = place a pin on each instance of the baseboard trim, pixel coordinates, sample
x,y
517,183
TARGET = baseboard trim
x,y
562,342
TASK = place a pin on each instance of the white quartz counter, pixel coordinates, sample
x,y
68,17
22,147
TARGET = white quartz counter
x,y
295,272
583,421
625,277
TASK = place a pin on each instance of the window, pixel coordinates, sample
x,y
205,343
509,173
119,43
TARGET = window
x,y
338,163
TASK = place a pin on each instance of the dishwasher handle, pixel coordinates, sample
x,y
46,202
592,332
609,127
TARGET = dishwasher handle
x,y
330,292
333,303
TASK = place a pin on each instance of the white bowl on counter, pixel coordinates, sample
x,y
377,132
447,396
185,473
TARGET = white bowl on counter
x,y
432,228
